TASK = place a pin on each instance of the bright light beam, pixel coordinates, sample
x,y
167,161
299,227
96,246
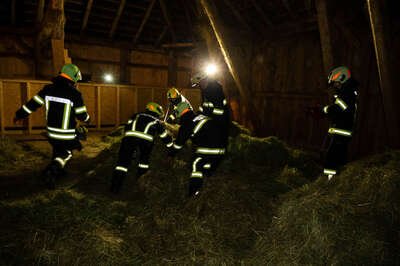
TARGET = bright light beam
x,y
211,69
108,78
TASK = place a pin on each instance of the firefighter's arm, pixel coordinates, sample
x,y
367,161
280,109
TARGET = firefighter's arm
x,y
164,134
80,110
31,106
339,106
183,135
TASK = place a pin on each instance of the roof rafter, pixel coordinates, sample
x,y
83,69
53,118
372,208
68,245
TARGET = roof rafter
x,y
40,11
116,19
189,20
86,16
145,18
168,20
237,14
262,13
159,39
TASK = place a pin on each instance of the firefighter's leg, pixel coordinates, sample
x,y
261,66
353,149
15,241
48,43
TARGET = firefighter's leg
x,y
336,155
145,149
199,164
61,155
126,150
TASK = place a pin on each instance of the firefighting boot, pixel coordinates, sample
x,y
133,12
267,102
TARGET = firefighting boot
x,y
141,171
116,182
195,185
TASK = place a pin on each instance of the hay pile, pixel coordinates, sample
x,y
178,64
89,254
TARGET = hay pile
x,y
264,205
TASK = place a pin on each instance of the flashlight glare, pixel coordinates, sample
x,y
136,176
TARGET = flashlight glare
x,y
211,69
108,78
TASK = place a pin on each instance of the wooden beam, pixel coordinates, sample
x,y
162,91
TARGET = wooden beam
x,y
40,11
86,16
237,14
144,20
13,12
324,34
289,9
160,38
172,69
2,123
188,19
379,29
261,13
117,17
168,20
178,45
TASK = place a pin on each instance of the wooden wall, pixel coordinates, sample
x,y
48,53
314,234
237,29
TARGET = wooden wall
x,y
108,105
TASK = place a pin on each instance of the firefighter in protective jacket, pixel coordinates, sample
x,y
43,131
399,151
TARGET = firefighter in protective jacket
x,y
174,98
139,135
209,143
214,103
64,104
341,114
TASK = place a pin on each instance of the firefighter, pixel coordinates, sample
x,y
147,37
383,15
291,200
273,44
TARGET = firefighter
x,y
214,103
139,136
208,141
64,104
174,98
341,114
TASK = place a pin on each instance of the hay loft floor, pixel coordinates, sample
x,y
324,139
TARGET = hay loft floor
x,y
266,204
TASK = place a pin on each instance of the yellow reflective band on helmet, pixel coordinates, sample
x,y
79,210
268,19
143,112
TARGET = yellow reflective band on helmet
x,y
60,130
164,134
326,109
140,135
61,136
38,99
329,172
80,110
217,111
143,166
214,151
26,109
121,168
197,174
341,103
341,132
199,125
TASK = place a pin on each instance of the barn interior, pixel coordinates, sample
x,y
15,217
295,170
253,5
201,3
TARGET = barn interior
x,y
268,202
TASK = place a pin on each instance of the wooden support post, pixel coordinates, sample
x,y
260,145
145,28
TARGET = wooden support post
x,y
57,47
324,34
136,100
117,107
123,66
145,18
116,19
28,97
86,16
40,11
2,123
98,107
389,98
159,39
13,12
172,69
167,19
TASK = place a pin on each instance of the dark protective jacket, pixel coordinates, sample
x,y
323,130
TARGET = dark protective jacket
x,y
214,103
145,126
342,112
64,104
206,134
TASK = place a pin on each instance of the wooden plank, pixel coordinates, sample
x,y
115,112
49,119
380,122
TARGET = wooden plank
x,y
161,37
86,16
2,131
98,107
167,19
58,55
117,104
178,45
116,19
325,34
172,72
40,11
379,31
145,18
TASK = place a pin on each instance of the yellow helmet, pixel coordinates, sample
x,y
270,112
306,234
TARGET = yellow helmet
x,y
173,93
155,108
339,74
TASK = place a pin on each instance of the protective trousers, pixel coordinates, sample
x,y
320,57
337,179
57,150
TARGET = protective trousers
x,y
202,166
336,155
128,149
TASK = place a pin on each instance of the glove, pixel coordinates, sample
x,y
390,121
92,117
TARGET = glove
x,y
81,132
195,185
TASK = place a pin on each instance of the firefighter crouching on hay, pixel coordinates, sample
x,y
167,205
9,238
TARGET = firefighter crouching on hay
x,y
64,104
139,135
341,114
174,98
207,137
